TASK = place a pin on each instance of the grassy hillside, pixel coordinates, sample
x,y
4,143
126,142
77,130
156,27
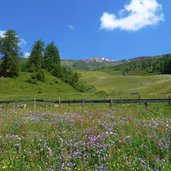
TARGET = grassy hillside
x,y
129,86
106,85
20,88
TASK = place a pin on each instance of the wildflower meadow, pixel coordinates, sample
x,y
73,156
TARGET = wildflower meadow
x,y
125,137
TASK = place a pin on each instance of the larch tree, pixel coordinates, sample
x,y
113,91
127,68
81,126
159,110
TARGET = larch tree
x,y
10,54
52,59
36,57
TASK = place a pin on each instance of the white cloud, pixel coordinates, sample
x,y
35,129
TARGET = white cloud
x,y
26,55
140,13
2,33
22,42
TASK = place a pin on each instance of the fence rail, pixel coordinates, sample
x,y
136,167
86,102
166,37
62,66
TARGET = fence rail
x,y
84,101
122,101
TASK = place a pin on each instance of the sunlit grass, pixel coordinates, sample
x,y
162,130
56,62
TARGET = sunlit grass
x,y
19,88
106,85
123,86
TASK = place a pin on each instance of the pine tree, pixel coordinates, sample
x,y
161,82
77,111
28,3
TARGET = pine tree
x,y
9,50
36,57
52,59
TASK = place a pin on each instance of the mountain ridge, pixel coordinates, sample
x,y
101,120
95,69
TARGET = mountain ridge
x,y
94,63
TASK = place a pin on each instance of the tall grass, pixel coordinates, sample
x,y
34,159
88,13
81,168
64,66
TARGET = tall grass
x,y
98,138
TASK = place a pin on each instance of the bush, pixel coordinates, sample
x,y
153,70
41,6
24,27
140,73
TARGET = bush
x,y
83,87
31,81
39,76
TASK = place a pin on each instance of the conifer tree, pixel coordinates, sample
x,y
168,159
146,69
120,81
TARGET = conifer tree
x,y
10,57
36,57
52,59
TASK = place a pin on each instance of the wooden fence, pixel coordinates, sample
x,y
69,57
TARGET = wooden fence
x,y
84,101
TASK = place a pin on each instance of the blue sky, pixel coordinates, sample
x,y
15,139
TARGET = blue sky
x,y
114,29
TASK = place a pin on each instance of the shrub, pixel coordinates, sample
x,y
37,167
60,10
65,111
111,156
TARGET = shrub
x,y
31,81
39,76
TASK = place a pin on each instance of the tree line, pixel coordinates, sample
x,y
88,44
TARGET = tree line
x,y
41,59
159,65
146,65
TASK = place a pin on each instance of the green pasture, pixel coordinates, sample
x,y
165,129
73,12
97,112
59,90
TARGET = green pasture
x,y
119,86
53,88
85,137
105,85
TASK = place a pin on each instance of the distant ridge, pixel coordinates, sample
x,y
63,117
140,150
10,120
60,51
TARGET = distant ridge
x,y
100,59
95,63
142,65
91,63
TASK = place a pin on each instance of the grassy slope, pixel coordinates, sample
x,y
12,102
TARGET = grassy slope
x,y
115,86
123,86
53,88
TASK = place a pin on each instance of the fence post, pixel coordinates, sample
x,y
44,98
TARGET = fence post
x,y
69,102
59,102
146,106
169,100
110,105
34,103
83,102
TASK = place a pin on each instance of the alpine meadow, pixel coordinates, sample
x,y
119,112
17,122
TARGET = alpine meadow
x,y
85,86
